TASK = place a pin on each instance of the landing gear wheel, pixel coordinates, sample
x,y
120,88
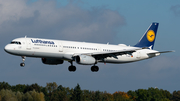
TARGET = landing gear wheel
x,y
72,68
94,68
22,64
23,59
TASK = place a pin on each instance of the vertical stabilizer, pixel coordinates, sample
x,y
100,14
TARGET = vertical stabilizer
x,y
149,37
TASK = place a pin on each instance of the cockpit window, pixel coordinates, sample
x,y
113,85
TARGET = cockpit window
x,y
16,42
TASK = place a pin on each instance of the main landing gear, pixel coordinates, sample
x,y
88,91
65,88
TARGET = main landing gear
x,y
72,68
23,59
94,68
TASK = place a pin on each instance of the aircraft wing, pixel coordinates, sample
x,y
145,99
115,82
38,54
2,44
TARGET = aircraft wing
x,y
101,55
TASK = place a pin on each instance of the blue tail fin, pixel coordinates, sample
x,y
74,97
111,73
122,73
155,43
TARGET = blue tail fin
x,y
149,37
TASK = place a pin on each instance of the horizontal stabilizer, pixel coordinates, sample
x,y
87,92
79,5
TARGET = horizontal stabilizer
x,y
160,52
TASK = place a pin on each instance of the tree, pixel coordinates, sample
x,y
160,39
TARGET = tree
x,y
28,97
19,87
41,96
152,94
77,93
132,94
19,96
7,95
59,96
51,86
35,87
86,95
45,92
142,95
4,85
60,88
98,96
121,96
166,93
107,97
32,87
176,96
34,96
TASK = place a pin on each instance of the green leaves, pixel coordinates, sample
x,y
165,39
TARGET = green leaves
x,y
53,92
151,94
9,95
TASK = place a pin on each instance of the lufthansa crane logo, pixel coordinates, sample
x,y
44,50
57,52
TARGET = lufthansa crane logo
x,y
150,35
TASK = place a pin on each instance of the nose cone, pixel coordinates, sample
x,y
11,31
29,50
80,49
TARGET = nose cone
x,y
11,49
7,48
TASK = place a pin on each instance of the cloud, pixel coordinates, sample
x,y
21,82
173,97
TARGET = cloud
x,y
44,19
176,10
71,22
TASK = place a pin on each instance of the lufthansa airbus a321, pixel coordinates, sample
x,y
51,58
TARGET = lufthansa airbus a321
x,y
53,52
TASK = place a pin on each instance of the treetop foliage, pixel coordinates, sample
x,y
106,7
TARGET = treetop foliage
x,y
54,92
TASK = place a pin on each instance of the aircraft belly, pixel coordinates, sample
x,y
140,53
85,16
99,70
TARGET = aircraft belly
x,y
47,54
67,56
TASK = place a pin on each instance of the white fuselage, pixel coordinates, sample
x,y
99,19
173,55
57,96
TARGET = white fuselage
x,y
65,50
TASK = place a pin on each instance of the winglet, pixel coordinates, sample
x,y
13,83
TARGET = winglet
x,y
149,37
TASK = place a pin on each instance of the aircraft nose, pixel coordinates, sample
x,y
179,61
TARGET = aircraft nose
x,y
7,48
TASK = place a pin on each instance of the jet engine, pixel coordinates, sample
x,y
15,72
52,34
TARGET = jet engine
x,y
85,60
50,61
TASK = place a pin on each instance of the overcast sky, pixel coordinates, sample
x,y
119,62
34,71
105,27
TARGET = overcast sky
x,y
102,21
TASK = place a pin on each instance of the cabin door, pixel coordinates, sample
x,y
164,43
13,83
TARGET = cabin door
x,y
28,44
138,54
60,47
100,49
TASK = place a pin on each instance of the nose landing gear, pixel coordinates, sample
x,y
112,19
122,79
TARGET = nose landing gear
x,y
23,59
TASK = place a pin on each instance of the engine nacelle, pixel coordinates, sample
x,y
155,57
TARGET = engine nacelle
x,y
50,61
85,60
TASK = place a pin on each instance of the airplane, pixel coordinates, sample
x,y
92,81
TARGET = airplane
x,y
54,52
